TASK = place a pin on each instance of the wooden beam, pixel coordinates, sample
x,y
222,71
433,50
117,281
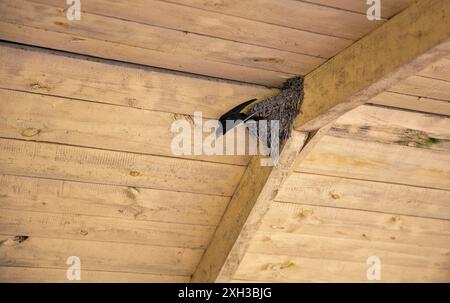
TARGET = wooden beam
x,y
258,187
406,44
400,48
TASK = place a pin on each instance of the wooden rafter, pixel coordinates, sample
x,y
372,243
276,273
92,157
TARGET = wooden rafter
x,y
400,48
406,44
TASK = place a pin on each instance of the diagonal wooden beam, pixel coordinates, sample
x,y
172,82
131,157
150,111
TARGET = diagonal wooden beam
x,y
251,199
399,48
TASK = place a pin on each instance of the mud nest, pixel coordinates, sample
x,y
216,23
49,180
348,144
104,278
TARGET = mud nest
x,y
283,107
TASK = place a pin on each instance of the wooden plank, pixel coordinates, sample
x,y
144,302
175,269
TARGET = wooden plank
x,y
388,8
244,213
424,87
199,21
412,103
131,258
376,62
117,168
439,70
60,74
340,223
398,127
93,125
379,162
79,227
317,247
149,45
66,197
293,14
269,268
338,242
212,263
48,275
125,53
365,195
377,116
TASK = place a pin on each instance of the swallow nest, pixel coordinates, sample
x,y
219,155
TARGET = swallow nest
x,y
283,107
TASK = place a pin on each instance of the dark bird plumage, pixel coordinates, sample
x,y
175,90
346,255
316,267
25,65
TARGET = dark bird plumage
x,y
283,107
234,114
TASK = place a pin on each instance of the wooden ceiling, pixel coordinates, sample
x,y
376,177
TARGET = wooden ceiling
x,y
377,184
86,167
226,39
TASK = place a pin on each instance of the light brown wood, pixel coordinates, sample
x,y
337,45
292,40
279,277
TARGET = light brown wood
x,y
440,70
149,45
274,268
294,14
117,168
331,248
328,218
390,126
365,195
304,243
379,162
200,21
47,275
340,223
412,103
243,215
79,175
74,226
394,71
424,87
60,74
94,125
132,54
121,202
101,256
376,62
388,8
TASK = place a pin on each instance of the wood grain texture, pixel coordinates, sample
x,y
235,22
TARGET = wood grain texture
x,y
379,162
243,215
306,243
293,14
365,195
203,22
376,62
340,223
49,275
439,70
121,202
276,268
100,256
388,8
398,127
328,248
378,116
60,74
82,227
116,168
150,45
414,103
124,53
424,87
89,124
